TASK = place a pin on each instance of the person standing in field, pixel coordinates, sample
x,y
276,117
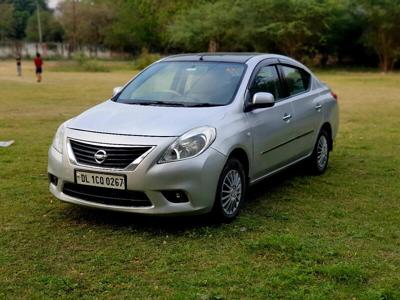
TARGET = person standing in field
x,y
19,66
38,64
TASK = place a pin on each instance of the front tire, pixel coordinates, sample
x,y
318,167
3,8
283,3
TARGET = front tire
x,y
232,186
319,159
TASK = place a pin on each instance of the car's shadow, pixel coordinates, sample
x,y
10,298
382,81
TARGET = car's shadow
x,y
176,224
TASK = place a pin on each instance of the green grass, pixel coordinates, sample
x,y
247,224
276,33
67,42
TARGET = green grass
x,y
336,236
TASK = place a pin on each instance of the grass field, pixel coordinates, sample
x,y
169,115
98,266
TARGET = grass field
x,y
299,237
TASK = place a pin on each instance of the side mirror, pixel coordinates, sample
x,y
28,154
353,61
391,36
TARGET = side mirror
x,y
261,100
116,90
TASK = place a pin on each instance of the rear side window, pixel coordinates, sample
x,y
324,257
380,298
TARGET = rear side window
x,y
267,81
297,80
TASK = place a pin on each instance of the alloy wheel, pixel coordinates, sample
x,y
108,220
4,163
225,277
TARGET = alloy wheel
x,y
322,152
231,192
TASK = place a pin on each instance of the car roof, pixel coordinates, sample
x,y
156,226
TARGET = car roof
x,y
217,56
235,57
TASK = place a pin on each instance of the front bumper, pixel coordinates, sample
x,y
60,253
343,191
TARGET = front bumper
x,y
196,177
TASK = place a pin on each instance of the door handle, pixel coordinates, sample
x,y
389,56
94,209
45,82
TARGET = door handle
x,y
286,117
318,106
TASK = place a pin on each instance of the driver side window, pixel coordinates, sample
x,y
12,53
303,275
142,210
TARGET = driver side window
x,y
267,81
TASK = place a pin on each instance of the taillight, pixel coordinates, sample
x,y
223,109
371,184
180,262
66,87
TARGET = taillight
x,y
334,95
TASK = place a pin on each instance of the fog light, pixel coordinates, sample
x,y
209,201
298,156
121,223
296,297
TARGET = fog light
x,y
53,179
175,196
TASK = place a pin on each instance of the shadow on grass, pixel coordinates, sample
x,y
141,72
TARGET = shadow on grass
x,y
176,224
130,221
275,184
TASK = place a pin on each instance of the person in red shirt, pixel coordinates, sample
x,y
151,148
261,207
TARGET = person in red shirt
x,y
19,65
38,64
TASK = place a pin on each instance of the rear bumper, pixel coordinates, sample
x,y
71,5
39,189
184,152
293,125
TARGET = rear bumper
x,y
196,177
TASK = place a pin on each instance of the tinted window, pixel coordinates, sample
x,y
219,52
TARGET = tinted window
x,y
297,80
267,80
186,83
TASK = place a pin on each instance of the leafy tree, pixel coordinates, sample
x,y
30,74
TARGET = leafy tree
x,y
290,27
295,25
141,24
51,28
383,30
85,22
271,26
23,9
341,37
206,26
340,31
6,19
135,26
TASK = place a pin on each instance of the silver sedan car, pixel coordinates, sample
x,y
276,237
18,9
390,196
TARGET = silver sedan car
x,y
190,133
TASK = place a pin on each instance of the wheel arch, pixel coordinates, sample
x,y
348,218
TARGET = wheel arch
x,y
328,128
241,155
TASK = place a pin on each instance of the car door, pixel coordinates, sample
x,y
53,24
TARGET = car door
x,y
271,127
307,116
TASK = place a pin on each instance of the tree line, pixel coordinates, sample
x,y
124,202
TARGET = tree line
x,y
322,32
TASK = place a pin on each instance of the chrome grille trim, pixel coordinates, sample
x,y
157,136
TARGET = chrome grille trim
x,y
121,157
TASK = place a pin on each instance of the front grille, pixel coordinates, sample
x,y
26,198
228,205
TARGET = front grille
x,y
118,157
107,196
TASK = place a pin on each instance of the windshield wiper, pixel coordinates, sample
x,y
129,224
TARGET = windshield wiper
x,y
204,105
163,103
167,103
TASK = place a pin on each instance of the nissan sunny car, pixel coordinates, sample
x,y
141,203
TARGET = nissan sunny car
x,y
190,133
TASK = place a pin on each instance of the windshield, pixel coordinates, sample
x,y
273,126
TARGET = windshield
x,y
184,84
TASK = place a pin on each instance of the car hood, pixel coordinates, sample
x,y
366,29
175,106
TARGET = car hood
x,y
119,118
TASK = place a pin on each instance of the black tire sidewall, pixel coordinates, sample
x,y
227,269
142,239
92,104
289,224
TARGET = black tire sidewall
x,y
218,211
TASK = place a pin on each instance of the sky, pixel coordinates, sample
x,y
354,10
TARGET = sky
x,y
53,3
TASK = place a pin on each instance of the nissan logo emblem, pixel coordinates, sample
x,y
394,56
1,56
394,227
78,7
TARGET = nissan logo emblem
x,y
100,156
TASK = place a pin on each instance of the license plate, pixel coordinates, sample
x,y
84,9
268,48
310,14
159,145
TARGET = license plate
x,y
110,181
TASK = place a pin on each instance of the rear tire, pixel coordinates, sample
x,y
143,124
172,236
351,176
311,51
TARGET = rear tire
x,y
318,162
231,191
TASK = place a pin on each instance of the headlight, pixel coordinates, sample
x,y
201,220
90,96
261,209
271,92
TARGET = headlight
x,y
59,138
191,144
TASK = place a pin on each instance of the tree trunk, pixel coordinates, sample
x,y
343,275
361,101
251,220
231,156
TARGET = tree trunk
x,y
385,52
385,63
213,45
386,60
